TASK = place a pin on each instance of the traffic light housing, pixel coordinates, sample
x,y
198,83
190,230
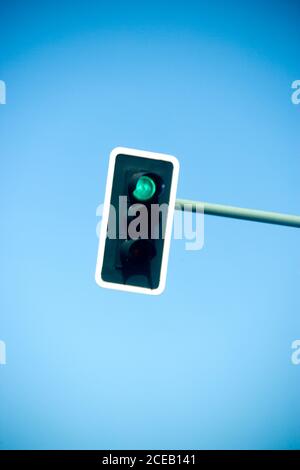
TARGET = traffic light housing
x,y
137,221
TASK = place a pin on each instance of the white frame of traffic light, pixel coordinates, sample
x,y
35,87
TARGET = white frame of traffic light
x,y
105,216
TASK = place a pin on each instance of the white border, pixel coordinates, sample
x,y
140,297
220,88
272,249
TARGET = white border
x,y
156,156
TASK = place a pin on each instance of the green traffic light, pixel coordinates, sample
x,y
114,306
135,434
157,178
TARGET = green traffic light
x,y
145,188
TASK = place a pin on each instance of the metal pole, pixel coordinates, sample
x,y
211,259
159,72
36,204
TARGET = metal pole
x,y
238,213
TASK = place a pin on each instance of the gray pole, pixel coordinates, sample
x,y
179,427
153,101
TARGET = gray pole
x,y
238,213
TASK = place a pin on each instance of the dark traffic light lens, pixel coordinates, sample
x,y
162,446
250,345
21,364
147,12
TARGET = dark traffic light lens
x,y
137,252
145,188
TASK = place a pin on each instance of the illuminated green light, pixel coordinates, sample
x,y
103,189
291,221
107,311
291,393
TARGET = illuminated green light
x,y
145,188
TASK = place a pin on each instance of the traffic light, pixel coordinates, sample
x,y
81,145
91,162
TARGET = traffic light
x,y
137,221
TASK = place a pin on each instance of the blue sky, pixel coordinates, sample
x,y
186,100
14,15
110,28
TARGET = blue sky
x,y
208,363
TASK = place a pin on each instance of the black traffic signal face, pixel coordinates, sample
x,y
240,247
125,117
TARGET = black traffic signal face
x,y
136,231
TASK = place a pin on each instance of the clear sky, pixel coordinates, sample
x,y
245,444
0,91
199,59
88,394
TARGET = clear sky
x,y
208,363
